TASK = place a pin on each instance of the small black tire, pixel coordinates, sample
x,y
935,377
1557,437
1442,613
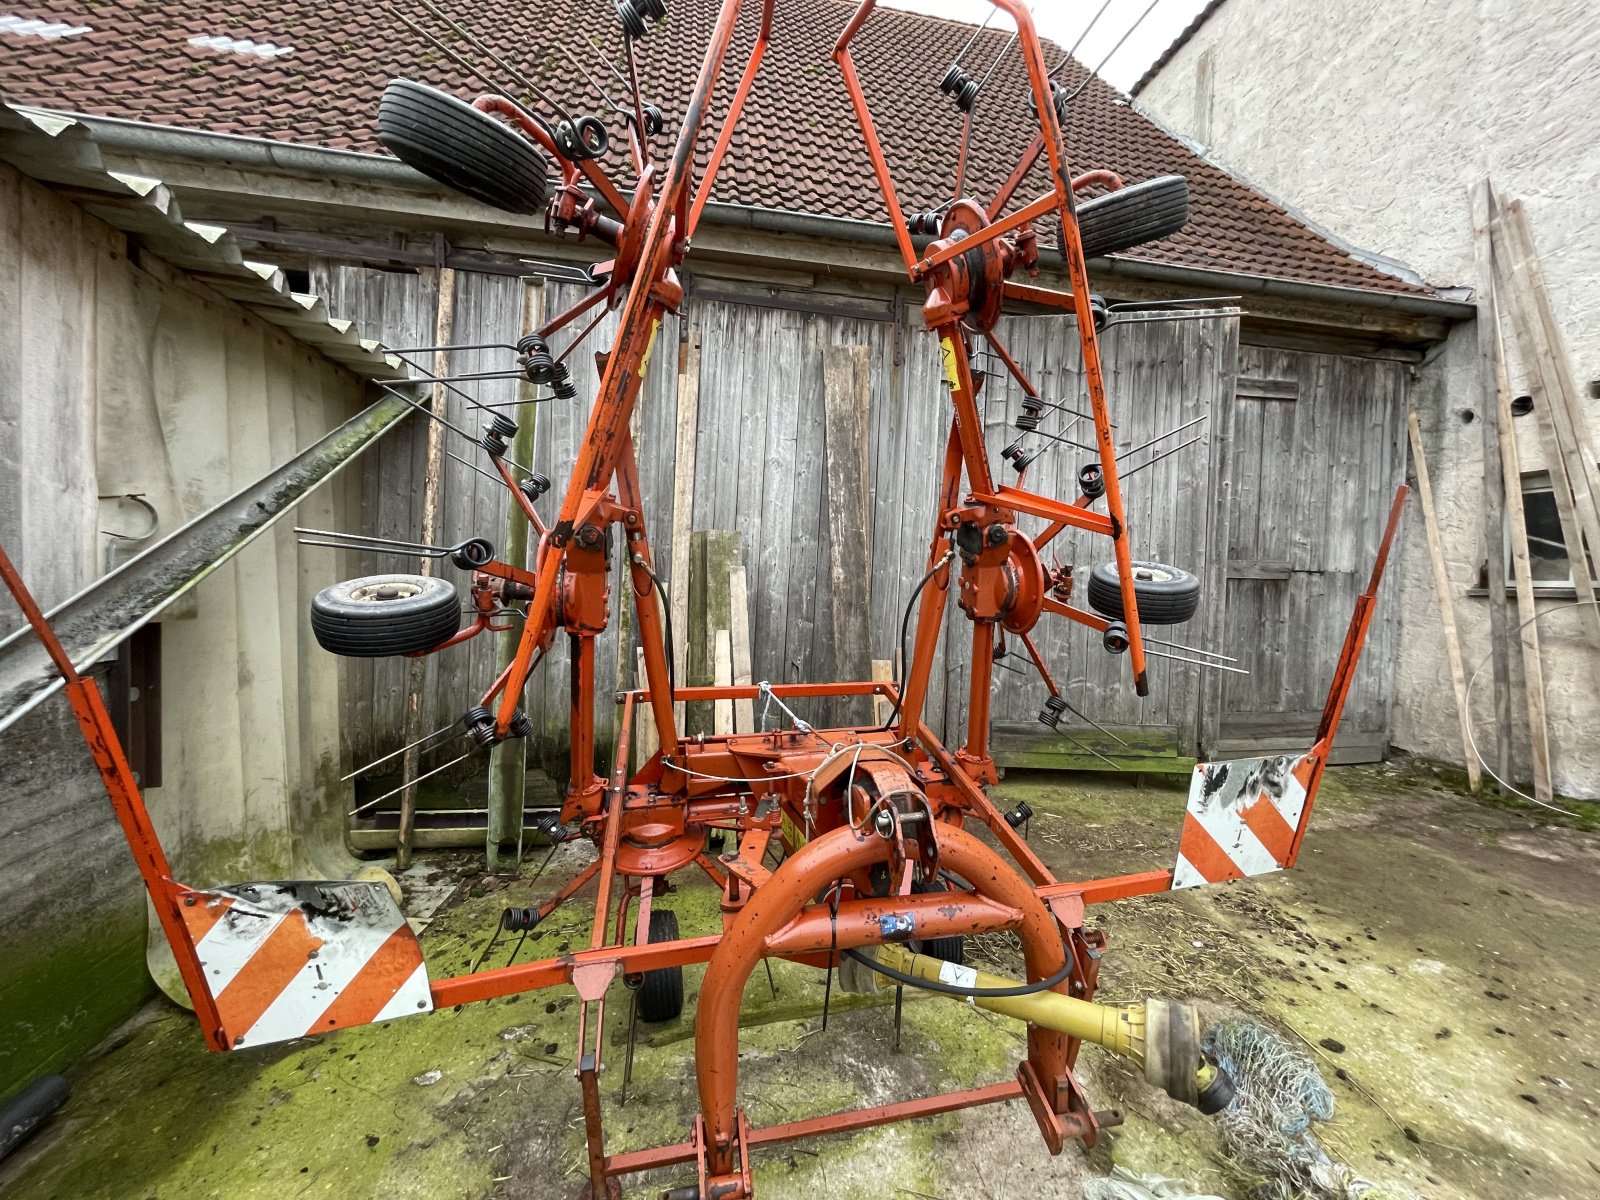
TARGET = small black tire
x,y
1166,595
381,615
661,991
951,949
461,147
1139,213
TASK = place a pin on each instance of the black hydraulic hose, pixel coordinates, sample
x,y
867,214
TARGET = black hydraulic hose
x,y
952,989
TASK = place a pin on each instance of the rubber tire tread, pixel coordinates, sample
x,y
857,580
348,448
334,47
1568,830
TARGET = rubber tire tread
x,y
453,143
1160,602
661,991
951,949
378,632
1139,213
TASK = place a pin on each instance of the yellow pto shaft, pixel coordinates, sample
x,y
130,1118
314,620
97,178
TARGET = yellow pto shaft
x,y
1161,1036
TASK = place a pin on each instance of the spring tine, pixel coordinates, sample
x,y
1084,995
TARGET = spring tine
x,y
448,424
427,737
1150,462
475,467
460,60
1197,662
1137,305
1056,437
366,541
1089,749
1156,319
962,53
1085,717
497,60
360,808
1125,36
467,377
1190,649
450,346
561,272
1099,12
1161,437
584,71
427,376
997,58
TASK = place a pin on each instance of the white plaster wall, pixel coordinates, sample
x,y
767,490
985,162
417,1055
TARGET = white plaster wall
x,y
1374,118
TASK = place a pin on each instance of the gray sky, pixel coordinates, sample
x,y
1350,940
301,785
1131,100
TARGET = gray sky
x,y
1063,21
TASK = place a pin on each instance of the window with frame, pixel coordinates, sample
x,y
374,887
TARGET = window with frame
x,y
1548,561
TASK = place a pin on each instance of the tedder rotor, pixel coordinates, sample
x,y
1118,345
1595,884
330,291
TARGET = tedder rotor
x,y
883,863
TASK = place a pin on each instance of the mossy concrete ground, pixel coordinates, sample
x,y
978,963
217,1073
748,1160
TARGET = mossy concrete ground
x,y
1434,952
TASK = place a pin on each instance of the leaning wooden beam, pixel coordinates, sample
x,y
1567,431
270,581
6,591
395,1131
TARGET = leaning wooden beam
x,y
683,468
1517,527
1560,410
744,711
113,608
847,405
417,675
508,760
1494,492
1447,607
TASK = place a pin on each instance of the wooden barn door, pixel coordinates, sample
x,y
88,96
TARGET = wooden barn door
x,y
1315,452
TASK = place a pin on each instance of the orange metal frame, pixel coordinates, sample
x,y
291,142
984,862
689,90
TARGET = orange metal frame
x,y
819,792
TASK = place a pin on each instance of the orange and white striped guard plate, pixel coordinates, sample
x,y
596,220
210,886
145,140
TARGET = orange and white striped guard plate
x,y
1242,819
284,960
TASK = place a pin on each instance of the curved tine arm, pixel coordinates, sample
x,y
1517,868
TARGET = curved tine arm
x,y
598,179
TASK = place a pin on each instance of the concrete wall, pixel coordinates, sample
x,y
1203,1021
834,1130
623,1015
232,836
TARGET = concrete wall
x,y
1374,118
118,375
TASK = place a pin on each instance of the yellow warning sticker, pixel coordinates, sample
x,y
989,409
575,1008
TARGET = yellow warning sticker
x,y
650,348
947,350
793,836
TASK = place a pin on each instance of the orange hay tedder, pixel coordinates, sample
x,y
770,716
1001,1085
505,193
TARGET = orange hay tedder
x,y
883,868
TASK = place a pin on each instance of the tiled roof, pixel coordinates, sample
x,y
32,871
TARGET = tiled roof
x,y
798,147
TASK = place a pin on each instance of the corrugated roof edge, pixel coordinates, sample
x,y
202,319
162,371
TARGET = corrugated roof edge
x,y
138,137
61,150
1178,43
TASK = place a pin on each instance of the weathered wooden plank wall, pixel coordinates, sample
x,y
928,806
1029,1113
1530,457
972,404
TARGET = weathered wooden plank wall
x,y
1318,448
760,470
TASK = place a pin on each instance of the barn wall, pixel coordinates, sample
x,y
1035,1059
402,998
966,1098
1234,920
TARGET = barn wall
x,y
1310,111
120,376
760,466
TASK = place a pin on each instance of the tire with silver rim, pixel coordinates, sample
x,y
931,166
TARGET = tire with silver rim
x,y
1166,595
381,615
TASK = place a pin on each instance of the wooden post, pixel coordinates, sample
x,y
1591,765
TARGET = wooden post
x,y
417,675
1447,608
882,708
709,580
847,405
1558,409
647,741
508,761
744,711
683,500
722,676
1532,665
1494,491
